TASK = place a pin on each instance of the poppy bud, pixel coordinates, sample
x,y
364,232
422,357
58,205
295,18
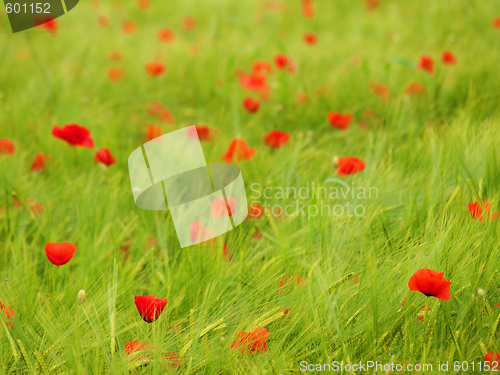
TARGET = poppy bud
x,y
481,292
81,296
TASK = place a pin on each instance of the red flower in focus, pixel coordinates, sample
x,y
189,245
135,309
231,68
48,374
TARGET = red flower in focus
x,y
129,27
496,23
189,23
226,254
276,138
477,212
261,67
253,342
426,63
310,38
7,147
135,347
251,105
116,74
430,283
220,208
255,211
349,165
380,90
47,22
8,313
153,131
254,82
143,4
38,164
74,135
282,61
238,150
149,307
155,68
103,21
372,4
59,253
104,156
414,88
492,357
166,36
449,58
199,233
339,121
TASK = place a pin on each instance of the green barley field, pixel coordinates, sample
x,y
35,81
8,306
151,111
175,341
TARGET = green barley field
x,y
325,269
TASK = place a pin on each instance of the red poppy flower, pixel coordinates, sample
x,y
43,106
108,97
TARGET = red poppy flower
x,y
261,67
38,164
496,23
149,307
282,61
155,109
308,9
430,283
238,150
256,235
477,212
276,138
380,90
426,63
59,253
339,121
204,133
251,105
104,156
35,207
49,23
252,342
7,146
449,58
129,27
492,357
143,4
8,313
349,165
74,135
254,82
414,88
102,21
255,211
372,4
189,23
166,36
167,117
134,347
226,254
116,55
153,131
155,68
220,208
116,74
199,233
310,38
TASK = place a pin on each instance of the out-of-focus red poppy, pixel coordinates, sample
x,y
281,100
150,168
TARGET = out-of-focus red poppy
x,y
155,109
188,23
103,156
251,342
143,4
155,68
135,348
199,233
256,235
102,21
449,58
421,313
7,147
49,23
221,209
74,135
339,121
173,359
116,74
255,211
477,213
204,133
251,105
226,254
372,4
35,207
116,56
8,313
414,88
59,253
153,131
239,73
301,97
430,283
276,138
167,117
282,61
491,357
254,82
308,8
496,23
349,165
129,27
149,307
310,38
261,67
166,36
38,164
238,150
151,243
95,4
380,90
426,63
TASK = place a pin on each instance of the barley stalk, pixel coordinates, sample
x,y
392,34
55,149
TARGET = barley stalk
x,y
259,321
492,279
41,362
186,348
339,282
211,327
11,340
475,195
199,366
25,356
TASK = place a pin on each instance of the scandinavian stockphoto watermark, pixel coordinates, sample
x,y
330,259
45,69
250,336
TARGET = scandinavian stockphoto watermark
x,y
310,200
